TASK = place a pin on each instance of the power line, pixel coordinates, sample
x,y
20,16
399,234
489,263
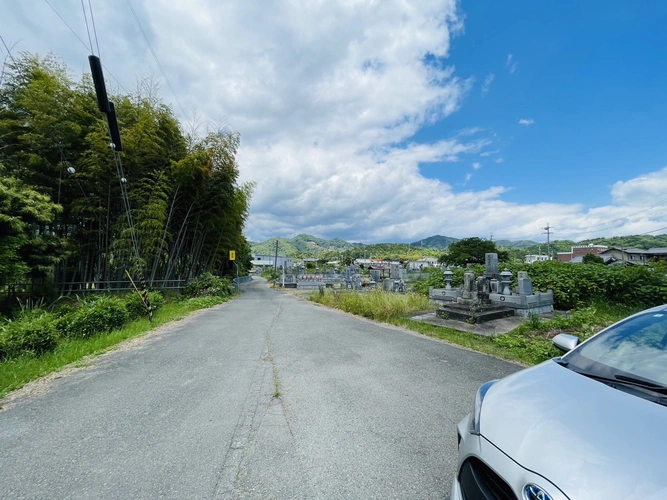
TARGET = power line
x,y
150,47
92,18
621,218
85,17
84,44
8,51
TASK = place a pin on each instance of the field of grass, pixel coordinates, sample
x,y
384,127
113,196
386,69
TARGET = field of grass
x,y
528,344
14,373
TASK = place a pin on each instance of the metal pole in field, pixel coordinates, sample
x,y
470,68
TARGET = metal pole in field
x,y
275,262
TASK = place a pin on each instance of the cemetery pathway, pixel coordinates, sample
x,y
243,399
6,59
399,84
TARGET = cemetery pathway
x,y
266,396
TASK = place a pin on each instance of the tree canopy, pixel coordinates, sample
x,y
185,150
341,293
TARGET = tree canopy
x,y
63,216
470,251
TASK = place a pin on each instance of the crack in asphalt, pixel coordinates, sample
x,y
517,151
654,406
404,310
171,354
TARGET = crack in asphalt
x,y
257,402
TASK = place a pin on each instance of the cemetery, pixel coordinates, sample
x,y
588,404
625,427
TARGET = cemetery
x,y
486,297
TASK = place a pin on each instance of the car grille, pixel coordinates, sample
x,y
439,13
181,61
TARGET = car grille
x,y
479,482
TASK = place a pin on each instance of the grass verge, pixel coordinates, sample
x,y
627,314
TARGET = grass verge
x,y
529,344
15,373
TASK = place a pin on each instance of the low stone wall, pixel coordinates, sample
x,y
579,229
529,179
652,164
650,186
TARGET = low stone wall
x,y
525,305
439,295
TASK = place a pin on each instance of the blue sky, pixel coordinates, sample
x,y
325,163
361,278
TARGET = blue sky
x,y
394,121
592,75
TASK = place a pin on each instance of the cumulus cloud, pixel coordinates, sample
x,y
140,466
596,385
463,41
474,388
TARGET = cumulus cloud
x,y
645,190
327,97
526,121
486,86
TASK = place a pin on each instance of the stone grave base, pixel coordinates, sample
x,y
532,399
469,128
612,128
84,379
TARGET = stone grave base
x,y
481,314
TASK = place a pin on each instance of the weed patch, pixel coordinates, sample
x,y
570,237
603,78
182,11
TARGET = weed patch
x,y
29,365
530,343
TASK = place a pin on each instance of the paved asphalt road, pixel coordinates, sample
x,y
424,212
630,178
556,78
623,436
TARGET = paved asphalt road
x,y
364,411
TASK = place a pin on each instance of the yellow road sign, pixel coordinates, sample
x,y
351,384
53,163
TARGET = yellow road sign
x,y
232,255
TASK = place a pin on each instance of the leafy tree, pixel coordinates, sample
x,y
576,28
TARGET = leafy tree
x,y
26,248
590,258
471,251
63,208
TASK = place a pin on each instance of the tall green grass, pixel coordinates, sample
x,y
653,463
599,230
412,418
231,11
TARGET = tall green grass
x,y
530,343
14,373
376,304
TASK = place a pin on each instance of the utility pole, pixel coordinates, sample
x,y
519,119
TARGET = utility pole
x,y
548,233
275,262
491,237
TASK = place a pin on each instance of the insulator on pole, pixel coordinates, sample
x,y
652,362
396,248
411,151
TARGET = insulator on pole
x,y
113,127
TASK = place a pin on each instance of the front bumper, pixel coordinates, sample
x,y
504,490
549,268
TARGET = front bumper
x,y
506,475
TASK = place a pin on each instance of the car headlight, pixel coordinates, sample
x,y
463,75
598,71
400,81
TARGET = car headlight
x,y
477,409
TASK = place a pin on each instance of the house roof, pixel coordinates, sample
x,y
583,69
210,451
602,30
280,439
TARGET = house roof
x,y
626,250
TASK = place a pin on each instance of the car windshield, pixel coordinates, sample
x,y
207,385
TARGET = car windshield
x,y
636,347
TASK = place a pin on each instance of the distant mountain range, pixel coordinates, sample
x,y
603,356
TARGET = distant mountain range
x,y
306,244
302,244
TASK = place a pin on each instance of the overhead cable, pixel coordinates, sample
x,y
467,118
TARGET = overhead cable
x,y
157,61
84,44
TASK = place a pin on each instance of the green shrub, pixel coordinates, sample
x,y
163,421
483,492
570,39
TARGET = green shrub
x,y
98,314
205,302
135,305
33,333
207,285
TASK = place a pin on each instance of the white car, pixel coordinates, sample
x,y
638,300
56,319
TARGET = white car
x,y
589,425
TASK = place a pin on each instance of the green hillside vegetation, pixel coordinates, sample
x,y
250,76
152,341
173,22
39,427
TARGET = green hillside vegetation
x,y
302,245
436,242
515,244
305,245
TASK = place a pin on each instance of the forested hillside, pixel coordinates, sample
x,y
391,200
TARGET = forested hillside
x,y
302,245
63,215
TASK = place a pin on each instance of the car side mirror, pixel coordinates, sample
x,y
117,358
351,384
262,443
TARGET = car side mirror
x,y
565,342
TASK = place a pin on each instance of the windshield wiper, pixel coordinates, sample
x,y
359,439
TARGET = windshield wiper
x,y
625,380
660,389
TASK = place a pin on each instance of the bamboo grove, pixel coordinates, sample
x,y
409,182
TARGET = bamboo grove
x,y
62,218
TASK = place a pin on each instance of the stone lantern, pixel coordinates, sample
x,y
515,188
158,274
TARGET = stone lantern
x,y
448,279
505,281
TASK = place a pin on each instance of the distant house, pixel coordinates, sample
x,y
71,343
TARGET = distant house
x,y
608,259
580,251
363,262
536,258
422,263
636,255
264,261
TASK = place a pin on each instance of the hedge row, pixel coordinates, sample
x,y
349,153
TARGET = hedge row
x,y
37,331
579,285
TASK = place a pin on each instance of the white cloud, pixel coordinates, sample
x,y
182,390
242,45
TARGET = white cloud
x,y
645,190
327,97
476,165
511,64
526,121
487,83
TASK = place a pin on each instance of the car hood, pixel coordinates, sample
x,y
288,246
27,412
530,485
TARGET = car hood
x,y
589,439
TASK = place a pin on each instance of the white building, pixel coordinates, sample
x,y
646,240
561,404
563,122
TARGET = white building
x,y
536,258
422,263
